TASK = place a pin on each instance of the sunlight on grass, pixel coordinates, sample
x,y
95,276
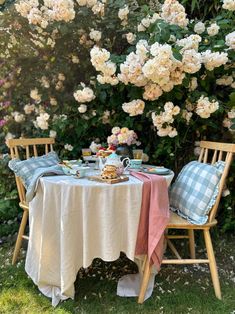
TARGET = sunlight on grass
x,y
177,290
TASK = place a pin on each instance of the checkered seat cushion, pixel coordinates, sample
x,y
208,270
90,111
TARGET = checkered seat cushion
x,y
30,170
195,190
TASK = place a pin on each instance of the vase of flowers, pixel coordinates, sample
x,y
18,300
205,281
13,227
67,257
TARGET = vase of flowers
x,y
123,139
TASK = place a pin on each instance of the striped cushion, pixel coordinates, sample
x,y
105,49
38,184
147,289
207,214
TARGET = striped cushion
x,y
195,190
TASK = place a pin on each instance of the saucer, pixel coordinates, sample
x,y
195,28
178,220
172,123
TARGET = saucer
x,y
157,170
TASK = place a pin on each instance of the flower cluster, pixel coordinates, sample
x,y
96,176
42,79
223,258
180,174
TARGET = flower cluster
x,y
164,120
227,123
100,61
134,107
213,60
229,5
85,94
123,15
122,136
96,6
230,40
51,10
205,107
174,13
42,121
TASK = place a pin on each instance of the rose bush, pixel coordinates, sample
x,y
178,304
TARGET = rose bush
x,y
75,69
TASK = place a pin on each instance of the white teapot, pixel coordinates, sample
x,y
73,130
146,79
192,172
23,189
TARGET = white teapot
x,y
116,161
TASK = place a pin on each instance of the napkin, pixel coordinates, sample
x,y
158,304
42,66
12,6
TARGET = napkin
x,y
154,217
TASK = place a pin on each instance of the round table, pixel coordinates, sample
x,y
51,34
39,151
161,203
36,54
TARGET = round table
x,y
72,221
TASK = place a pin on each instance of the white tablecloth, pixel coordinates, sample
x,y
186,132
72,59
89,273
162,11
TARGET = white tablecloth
x,y
72,221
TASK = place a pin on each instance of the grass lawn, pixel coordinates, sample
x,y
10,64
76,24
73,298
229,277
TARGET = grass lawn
x,y
178,289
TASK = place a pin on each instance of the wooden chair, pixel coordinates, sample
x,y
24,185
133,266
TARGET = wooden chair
x,y
22,148
218,151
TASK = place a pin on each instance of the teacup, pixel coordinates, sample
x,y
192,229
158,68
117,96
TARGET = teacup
x,y
80,172
135,163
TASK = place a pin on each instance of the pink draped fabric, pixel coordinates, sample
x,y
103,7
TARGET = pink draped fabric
x,y
154,217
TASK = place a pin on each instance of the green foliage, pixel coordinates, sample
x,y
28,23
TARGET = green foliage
x,y
30,55
9,209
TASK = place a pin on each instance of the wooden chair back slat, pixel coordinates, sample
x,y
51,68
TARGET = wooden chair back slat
x,y
24,145
220,155
27,152
46,149
205,156
214,157
201,155
16,152
223,149
35,152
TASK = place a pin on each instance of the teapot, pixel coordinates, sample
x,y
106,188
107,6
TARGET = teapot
x,y
116,161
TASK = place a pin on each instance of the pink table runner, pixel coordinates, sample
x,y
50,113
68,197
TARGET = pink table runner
x,y
154,217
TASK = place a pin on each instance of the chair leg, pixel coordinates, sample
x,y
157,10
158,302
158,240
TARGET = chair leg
x,y
191,243
19,236
212,264
145,281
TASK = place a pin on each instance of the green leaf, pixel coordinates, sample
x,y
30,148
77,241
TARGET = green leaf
x,y
177,55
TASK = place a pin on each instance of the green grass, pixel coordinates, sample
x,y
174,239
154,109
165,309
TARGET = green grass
x,y
177,289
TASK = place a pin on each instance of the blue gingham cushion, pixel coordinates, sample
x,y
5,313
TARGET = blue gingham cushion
x,y
195,190
30,170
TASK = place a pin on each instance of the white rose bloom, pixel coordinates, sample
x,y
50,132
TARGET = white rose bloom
x,y
141,28
68,147
230,40
84,95
42,121
146,22
91,3
191,61
213,60
152,92
199,28
95,35
34,95
204,107
123,13
225,80
173,133
75,59
134,107
213,29
82,108
28,109
193,84
168,107
53,101
130,37
18,117
53,133
115,130
229,5
174,13
164,131
61,76
176,110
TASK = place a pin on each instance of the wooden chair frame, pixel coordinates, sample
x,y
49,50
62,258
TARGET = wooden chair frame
x,y
176,222
27,145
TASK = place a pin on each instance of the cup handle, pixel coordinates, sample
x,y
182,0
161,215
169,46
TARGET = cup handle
x,y
128,162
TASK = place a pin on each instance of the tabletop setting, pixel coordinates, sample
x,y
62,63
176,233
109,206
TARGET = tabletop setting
x,y
109,194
